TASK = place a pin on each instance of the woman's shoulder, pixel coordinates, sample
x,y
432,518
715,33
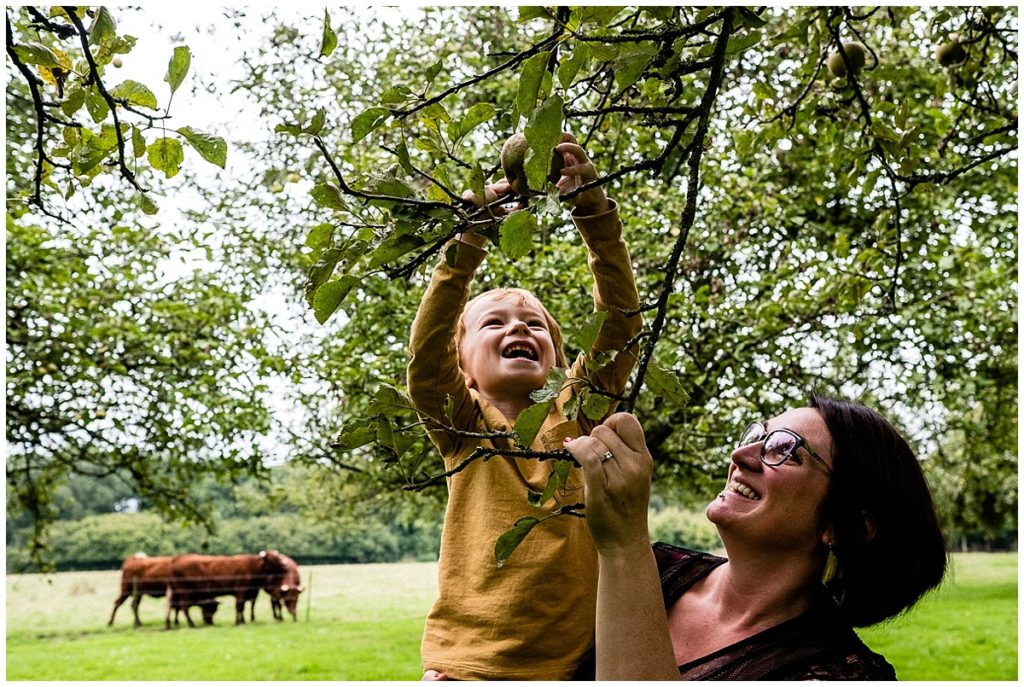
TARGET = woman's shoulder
x,y
821,646
680,568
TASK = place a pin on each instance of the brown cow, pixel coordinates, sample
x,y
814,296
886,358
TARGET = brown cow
x,y
284,588
142,574
196,579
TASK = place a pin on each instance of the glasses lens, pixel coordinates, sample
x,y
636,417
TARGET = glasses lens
x,y
753,433
778,447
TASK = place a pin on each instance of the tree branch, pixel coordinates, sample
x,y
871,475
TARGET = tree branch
x,y
690,209
95,77
486,454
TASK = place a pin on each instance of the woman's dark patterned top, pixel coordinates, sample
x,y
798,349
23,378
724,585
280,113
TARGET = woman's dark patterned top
x,y
817,645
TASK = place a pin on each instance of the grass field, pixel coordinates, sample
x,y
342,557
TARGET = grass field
x,y
364,623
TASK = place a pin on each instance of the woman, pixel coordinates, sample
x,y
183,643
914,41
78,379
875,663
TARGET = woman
x,y
827,523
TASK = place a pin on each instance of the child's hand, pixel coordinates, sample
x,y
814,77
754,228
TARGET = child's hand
x,y
492,192
430,675
579,170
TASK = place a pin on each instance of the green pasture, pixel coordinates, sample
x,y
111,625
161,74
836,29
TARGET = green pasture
x,y
364,623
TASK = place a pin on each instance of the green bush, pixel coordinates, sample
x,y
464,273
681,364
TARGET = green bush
x,y
685,528
103,541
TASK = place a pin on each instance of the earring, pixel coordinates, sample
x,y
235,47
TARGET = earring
x,y
831,566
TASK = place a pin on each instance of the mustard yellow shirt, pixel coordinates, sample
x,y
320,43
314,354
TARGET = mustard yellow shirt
x,y
532,618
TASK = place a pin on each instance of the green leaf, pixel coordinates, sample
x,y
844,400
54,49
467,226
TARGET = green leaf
x,y
134,93
138,142
433,70
530,78
147,205
73,102
747,17
559,475
510,540
389,185
96,105
517,234
394,248
530,421
166,155
367,121
328,297
178,66
403,156
477,181
320,235
568,69
320,272
667,384
330,39
600,15
395,95
475,116
355,434
528,12
329,196
543,132
212,148
595,406
743,42
629,66
33,53
316,125
589,329
103,27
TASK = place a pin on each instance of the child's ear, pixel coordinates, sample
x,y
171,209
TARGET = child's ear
x,y
470,382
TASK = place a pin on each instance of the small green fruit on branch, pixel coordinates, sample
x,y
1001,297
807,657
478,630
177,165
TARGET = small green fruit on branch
x,y
950,53
513,158
855,54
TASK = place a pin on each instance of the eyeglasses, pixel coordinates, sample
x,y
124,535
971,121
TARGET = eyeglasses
x,y
778,445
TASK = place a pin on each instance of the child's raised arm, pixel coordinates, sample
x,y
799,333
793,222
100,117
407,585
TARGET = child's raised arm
x,y
597,219
434,374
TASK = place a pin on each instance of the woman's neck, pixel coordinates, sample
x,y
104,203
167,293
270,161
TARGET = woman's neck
x,y
759,589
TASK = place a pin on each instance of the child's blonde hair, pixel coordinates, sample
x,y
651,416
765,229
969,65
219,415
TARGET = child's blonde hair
x,y
519,297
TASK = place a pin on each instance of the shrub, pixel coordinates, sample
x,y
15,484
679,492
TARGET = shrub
x,y
685,528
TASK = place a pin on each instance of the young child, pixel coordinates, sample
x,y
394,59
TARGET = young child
x,y
533,617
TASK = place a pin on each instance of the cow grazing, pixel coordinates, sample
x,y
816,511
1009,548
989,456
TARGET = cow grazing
x,y
284,589
197,578
141,575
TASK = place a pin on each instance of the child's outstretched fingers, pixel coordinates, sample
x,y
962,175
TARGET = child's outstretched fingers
x,y
491,193
579,170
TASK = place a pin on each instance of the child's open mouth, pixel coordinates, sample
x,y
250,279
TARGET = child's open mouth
x,y
519,350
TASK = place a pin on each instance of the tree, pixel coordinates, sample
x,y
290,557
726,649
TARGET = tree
x,y
121,365
853,234
790,229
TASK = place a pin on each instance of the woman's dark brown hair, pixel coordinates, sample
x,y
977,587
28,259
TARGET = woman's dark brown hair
x,y
886,536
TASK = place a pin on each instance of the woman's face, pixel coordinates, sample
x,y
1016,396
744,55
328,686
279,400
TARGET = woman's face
x,y
780,505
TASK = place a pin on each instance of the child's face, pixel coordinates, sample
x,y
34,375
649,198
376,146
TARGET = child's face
x,y
507,349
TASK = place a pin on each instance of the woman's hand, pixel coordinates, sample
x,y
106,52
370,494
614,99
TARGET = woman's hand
x,y
618,488
577,171
430,675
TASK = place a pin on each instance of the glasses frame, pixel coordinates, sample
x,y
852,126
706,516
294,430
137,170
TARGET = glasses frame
x,y
763,437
